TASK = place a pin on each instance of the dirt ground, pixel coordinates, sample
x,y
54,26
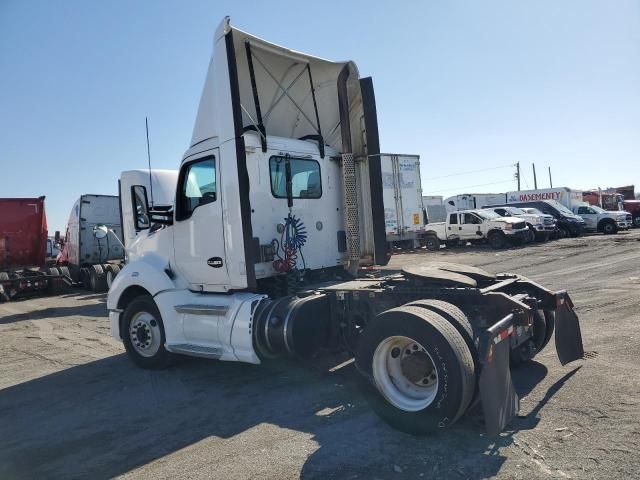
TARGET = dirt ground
x,y
73,406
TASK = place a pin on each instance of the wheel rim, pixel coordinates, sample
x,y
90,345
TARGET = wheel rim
x,y
144,332
405,373
431,243
109,278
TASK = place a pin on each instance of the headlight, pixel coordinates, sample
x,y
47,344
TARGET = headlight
x,y
508,226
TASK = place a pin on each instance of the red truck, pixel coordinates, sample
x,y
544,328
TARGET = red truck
x,y
23,250
614,201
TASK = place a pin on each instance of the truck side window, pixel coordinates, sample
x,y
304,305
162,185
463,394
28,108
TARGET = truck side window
x,y
305,177
501,211
453,219
470,219
140,207
197,186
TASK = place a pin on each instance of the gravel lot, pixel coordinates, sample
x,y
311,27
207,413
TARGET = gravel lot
x,y
73,406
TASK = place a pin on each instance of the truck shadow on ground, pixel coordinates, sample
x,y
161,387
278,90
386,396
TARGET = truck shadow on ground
x,y
106,418
97,310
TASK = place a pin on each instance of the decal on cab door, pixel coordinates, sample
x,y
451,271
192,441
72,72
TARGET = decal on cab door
x,y
215,262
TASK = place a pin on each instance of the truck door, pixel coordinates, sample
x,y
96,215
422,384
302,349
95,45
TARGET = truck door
x,y
590,217
453,226
198,228
470,225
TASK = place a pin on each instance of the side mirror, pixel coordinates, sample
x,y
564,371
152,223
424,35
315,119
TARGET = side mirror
x,y
100,231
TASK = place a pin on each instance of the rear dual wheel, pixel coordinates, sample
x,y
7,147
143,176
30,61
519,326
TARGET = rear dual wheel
x,y
543,327
420,366
111,272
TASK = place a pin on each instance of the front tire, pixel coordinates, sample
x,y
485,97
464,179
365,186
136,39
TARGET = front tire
x,y
497,240
420,366
432,243
609,228
143,334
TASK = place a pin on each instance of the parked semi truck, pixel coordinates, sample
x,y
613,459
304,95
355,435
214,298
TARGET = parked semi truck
x,y
24,250
402,193
279,201
90,261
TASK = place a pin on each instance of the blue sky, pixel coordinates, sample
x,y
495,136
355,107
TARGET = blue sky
x,y
467,85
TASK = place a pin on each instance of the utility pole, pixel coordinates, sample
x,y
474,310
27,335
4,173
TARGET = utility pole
x,y
535,181
518,174
550,181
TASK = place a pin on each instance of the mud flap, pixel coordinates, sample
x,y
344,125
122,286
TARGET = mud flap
x,y
568,335
500,403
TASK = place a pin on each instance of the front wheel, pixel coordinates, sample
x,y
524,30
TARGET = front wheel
x,y
636,221
496,240
143,334
609,228
420,366
432,243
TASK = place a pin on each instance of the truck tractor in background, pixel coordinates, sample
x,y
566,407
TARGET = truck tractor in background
x,y
87,259
279,202
402,193
24,249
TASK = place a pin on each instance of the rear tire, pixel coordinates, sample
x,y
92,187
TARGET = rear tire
x,y
97,279
496,240
636,221
111,273
432,243
143,334
420,366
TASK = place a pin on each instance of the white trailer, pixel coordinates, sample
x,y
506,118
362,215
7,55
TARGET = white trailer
x,y
278,200
402,192
470,201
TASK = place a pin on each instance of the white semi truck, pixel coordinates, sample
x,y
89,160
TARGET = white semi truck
x,y
402,193
83,258
278,202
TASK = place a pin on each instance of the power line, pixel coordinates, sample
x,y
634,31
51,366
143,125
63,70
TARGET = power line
x,y
468,186
471,171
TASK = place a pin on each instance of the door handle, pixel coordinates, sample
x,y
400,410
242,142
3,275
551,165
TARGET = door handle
x,y
459,228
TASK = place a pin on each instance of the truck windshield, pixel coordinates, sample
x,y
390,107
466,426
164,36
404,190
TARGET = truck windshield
x,y
515,211
561,208
487,214
535,211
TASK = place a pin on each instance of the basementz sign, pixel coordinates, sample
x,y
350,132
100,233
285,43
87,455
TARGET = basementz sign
x,y
533,197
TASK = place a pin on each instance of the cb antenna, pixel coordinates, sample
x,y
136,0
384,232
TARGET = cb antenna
x,y
146,123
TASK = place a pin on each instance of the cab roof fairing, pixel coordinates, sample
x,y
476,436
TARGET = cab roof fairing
x,y
277,70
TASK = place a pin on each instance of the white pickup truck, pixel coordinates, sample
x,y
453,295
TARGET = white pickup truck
x,y
540,226
600,220
475,226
